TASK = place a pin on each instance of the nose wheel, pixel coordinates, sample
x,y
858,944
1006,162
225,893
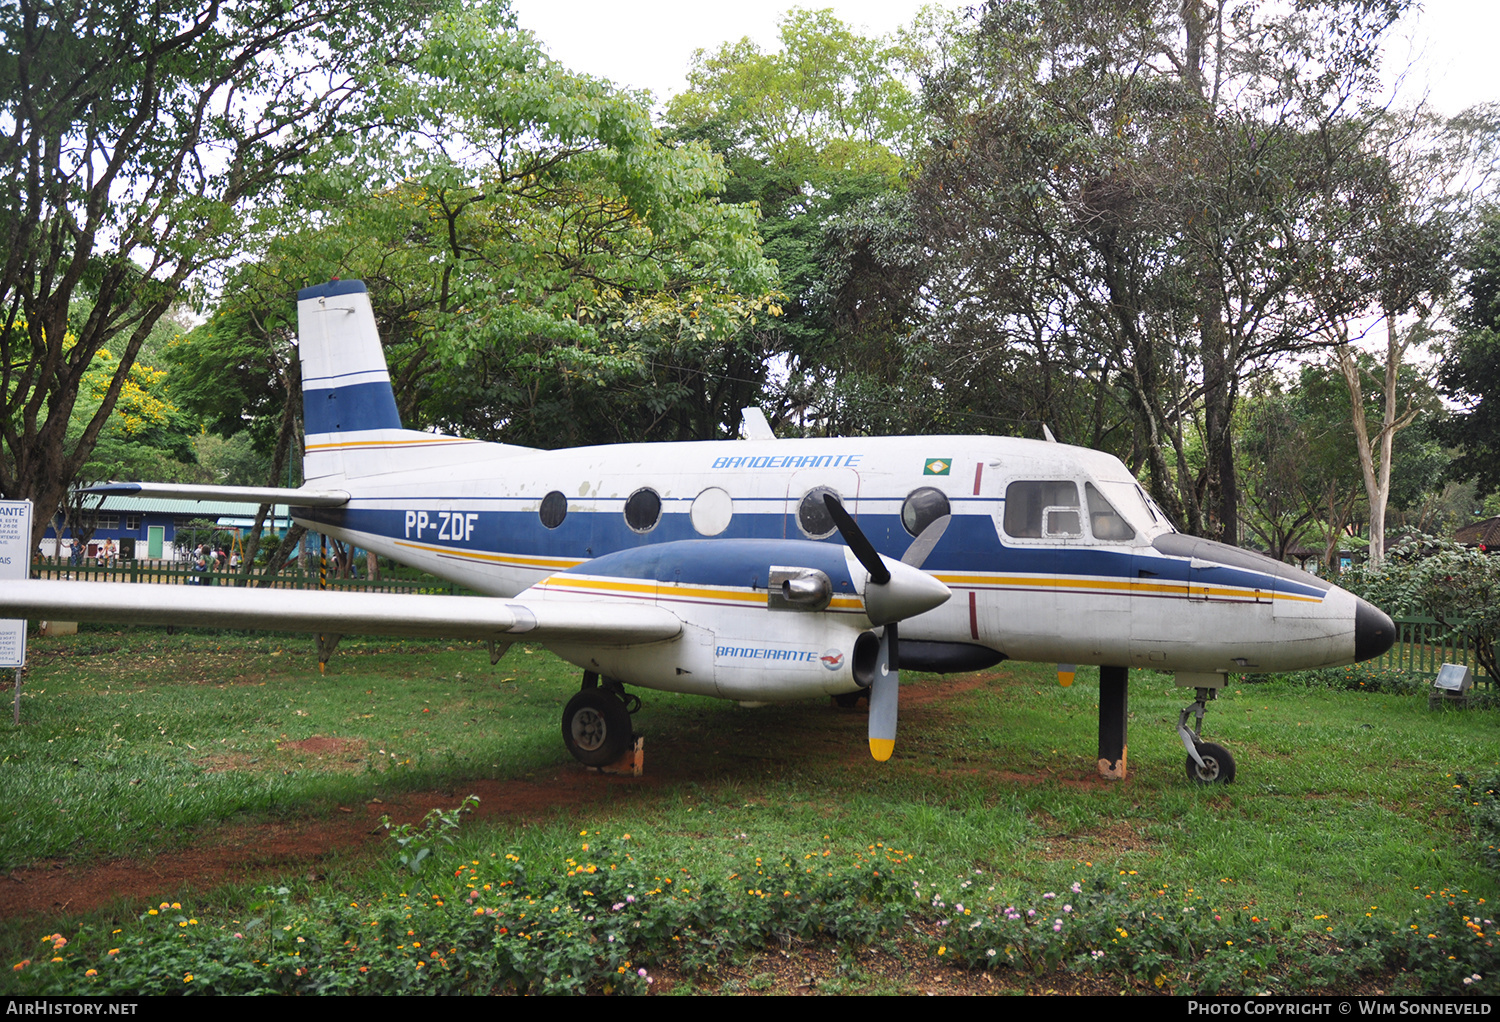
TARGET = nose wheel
x,y
1214,765
596,722
1207,763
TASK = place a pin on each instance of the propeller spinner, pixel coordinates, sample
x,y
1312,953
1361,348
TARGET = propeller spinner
x,y
897,590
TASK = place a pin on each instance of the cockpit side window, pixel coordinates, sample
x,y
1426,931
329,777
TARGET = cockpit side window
x,y
1040,508
1104,521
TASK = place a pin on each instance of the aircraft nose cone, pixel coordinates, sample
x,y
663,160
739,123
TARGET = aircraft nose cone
x,y
1374,631
909,592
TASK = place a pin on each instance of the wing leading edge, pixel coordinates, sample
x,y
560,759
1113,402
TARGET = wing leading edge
x,y
228,494
456,617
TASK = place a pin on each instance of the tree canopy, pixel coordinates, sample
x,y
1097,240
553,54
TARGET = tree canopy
x,y
140,138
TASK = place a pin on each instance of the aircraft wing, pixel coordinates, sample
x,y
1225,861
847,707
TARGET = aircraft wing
x,y
238,494
291,610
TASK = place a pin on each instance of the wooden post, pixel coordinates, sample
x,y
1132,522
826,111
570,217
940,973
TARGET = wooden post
x,y
1113,715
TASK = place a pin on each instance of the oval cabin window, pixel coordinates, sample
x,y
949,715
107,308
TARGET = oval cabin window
x,y
643,510
812,514
923,507
554,509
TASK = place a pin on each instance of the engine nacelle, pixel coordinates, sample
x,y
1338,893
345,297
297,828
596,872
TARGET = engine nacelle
x,y
771,620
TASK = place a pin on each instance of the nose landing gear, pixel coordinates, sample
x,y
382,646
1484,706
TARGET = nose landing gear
x,y
1207,763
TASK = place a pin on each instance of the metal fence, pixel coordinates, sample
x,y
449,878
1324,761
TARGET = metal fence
x,y
163,572
1423,645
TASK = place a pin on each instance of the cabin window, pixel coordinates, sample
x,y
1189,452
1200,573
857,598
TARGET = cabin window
x,y
1104,521
711,511
1049,508
923,507
554,509
812,513
643,510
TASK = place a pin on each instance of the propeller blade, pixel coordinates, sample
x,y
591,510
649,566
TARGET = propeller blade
x,y
884,694
856,541
916,554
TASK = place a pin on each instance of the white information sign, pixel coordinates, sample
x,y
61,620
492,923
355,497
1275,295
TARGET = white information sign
x,y
15,563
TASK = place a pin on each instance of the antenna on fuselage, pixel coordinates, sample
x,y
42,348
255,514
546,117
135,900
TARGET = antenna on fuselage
x,y
753,425
1047,434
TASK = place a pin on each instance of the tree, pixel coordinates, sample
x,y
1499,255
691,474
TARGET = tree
x,y
1143,187
551,272
1470,369
820,135
1396,270
139,139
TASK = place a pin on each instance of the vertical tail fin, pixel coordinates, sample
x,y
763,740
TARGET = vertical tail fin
x,y
346,387
348,407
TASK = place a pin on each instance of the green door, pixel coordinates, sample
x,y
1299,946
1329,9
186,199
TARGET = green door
x,y
155,536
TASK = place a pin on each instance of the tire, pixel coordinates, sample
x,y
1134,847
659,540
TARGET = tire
x,y
596,728
1218,765
850,700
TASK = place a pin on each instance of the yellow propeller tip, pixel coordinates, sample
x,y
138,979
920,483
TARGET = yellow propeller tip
x,y
881,748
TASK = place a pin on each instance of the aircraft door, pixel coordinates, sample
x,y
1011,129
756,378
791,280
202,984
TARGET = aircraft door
x,y
806,515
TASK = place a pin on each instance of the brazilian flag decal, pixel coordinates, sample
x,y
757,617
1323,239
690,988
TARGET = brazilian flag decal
x,y
937,466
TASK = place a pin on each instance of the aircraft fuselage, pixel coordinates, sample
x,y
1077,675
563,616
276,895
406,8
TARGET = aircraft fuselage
x,y
1053,554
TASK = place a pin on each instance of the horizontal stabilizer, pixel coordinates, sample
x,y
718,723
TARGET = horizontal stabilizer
x,y
235,494
345,613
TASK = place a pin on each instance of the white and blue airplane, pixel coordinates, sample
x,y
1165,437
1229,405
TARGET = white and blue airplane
x,y
756,570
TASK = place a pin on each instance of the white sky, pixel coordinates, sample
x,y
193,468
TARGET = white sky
x,y
648,44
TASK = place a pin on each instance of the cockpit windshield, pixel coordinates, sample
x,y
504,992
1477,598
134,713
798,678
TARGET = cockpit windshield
x,y
1133,510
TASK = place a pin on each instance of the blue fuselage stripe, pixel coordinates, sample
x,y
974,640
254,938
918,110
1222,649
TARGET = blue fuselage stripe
x,y
971,544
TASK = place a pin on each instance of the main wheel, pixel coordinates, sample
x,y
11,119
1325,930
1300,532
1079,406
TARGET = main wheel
x,y
596,727
1217,768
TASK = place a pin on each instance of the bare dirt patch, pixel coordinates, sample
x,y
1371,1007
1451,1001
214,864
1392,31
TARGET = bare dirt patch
x,y
235,854
1101,841
322,747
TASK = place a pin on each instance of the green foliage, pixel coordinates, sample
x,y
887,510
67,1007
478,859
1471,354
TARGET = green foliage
x,y
553,274
592,917
439,828
144,137
1458,586
820,135
1470,369
769,840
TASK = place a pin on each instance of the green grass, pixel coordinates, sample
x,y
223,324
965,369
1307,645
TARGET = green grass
x,y
1344,814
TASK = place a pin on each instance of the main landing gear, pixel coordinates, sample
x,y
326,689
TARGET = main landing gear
x,y
1207,763
596,722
